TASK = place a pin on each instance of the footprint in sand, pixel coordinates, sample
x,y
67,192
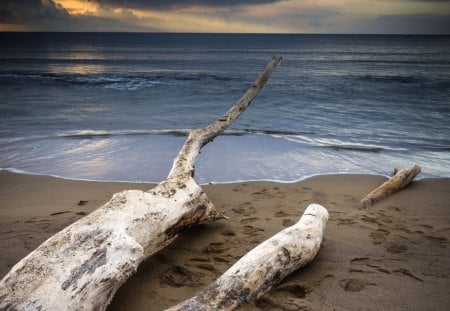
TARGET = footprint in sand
x,y
442,241
379,236
394,208
220,259
238,210
354,285
346,221
364,262
369,219
199,259
396,248
244,209
296,290
177,276
250,230
249,220
289,304
384,265
215,248
228,233
206,266
258,193
266,304
281,214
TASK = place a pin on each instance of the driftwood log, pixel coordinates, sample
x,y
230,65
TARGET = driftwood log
x,y
400,180
264,266
82,266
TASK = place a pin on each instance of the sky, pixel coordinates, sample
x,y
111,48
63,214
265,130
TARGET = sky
x,y
232,16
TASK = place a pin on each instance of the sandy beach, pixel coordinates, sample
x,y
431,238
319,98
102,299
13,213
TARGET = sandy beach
x,y
392,256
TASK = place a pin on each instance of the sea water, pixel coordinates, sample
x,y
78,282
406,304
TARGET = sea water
x,y
118,106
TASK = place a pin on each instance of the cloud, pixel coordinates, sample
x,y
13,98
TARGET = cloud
x,y
413,24
177,4
13,11
298,16
45,15
396,24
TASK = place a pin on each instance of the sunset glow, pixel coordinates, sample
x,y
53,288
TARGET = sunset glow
x,y
253,16
75,7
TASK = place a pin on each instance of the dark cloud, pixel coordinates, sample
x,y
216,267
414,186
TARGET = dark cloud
x,y
176,4
117,15
12,11
45,15
414,24
398,24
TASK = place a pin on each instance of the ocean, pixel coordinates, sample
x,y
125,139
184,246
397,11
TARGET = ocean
x,y
118,106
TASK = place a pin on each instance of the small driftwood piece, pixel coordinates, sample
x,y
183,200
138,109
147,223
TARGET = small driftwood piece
x,y
264,266
82,266
400,180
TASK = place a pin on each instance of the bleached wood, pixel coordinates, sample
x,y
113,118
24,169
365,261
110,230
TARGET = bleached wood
x,y
264,266
82,266
400,180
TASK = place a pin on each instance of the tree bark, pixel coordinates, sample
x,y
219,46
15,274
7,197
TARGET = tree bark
x,y
82,266
264,266
400,180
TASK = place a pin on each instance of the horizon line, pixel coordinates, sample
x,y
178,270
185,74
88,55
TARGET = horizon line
x,y
230,33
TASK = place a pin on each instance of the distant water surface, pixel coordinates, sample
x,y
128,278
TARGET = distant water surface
x,y
118,106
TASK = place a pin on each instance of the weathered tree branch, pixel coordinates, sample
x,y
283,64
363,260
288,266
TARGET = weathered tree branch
x,y
400,180
183,164
264,266
82,266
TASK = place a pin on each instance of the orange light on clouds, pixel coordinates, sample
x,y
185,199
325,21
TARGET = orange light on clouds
x,y
12,27
78,6
288,16
183,21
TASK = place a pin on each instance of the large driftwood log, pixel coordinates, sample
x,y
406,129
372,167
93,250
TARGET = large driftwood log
x,y
264,266
82,266
400,180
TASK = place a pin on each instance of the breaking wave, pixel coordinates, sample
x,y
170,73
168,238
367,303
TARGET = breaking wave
x,y
108,81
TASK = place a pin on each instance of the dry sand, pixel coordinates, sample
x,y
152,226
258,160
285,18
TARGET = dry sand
x,y
393,256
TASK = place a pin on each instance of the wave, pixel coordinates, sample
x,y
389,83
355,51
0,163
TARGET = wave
x,y
85,134
392,78
307,139
361,148
436,83
108,81
90,134
340,145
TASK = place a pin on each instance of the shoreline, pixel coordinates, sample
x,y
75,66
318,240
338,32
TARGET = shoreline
x,y
392,256
22,172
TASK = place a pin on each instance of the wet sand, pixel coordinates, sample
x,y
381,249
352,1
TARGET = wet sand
x,y
392,256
